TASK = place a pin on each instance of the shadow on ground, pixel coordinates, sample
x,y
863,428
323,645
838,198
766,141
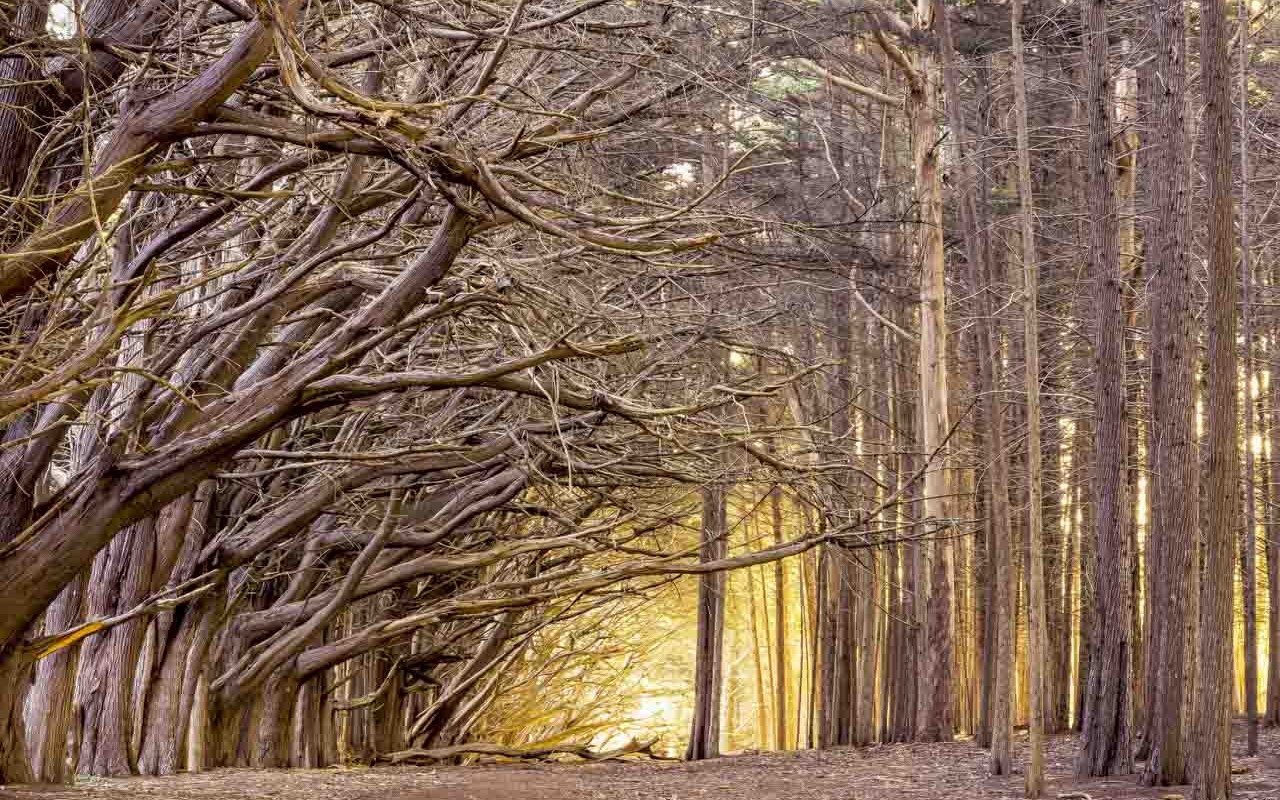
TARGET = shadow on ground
x,y
888,772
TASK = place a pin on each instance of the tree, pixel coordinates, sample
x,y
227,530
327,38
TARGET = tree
x,y
1171,551
934,697
1105,747
704,739
1212,761
1037,646
1249,580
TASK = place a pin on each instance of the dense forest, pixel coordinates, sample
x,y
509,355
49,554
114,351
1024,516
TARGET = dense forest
x,y
401,381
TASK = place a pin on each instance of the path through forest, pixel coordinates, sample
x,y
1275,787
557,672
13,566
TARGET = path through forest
x,y
890,772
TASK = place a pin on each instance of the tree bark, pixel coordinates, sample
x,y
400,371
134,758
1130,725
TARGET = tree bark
x,y
780,627
1272,714
934,713
704,738
1250,567
1105,742
50,711
1036,642
1212,755
1171,544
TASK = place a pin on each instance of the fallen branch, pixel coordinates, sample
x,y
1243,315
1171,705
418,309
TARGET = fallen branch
x,y
485,749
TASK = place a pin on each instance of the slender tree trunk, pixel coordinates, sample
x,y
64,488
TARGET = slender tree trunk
x,y
904,713
704,739
757,664
1250,582
1036,642
1272,715
780,627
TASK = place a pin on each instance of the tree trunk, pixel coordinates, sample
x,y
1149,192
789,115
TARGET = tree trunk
x,y
15,767
1036,643
50,712
1272,714
780,627
904,708
704,739
934,721
20,80
1105,742
1250,579
1212,755
1175,516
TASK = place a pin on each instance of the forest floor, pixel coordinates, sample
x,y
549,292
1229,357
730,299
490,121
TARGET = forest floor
x,y
886,772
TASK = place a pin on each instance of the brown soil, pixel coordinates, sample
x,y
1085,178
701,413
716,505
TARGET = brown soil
x,y
889,772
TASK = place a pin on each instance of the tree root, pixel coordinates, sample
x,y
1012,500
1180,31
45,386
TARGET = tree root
x,y
530,753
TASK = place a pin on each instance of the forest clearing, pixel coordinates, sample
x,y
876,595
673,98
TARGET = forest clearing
x,y
936,771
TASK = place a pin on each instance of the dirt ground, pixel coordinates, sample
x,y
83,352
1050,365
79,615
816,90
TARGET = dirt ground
x,y
889,772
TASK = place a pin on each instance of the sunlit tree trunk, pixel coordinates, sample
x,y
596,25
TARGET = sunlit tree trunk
x,y
1272,714
780,627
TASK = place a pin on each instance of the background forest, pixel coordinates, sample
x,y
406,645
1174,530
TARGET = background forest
x,y
382,379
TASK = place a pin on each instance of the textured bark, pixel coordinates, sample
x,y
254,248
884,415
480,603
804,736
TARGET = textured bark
x,y
278,696
112,500
1056,542
704,739
1002,553
838,638
20,120
15,767
934,712
904,696
1174,456
1250,546
1037,647
1272,713
68,543
120,579
133,143
1211,757
1105,747
989,383
50,712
